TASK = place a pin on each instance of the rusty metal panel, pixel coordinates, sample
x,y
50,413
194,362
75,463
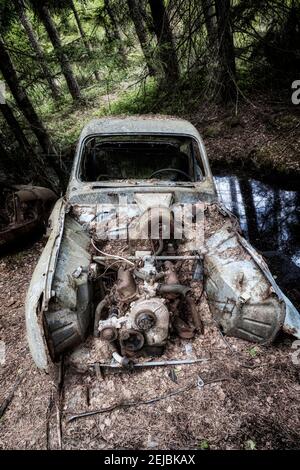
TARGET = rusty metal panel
x,y
37,292
24,209
240,295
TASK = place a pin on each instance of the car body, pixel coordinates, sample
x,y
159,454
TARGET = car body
x,y
159,166
24,210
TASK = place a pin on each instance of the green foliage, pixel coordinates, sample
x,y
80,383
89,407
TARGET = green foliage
x,y
253,351
269,39
203,445
7,15
56,6
250,445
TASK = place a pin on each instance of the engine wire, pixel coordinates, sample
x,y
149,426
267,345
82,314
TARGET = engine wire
x,y
111,256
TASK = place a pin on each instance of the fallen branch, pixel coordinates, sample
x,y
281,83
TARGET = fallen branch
x,y
60,384
142,402
58,426
5,404
48,417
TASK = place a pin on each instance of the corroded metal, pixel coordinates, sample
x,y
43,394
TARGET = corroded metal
x,y
23,210
239,293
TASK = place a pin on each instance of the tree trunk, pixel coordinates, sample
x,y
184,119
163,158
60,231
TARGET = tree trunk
x,y
37,48
15,128
146,17
209,13
26,151
163,32
50,27
38,164
23,102
141,32
276,218
250,211
226,51
85,41
115,30
3,152
233,195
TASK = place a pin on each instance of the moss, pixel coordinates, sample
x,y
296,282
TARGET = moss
x,y
203,445
261,155
214,130
250,444
233,121
286,122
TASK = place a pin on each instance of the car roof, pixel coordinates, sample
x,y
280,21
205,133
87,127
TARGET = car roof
x,y
139,125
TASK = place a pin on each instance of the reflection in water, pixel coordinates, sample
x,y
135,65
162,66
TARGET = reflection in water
x,y
270,220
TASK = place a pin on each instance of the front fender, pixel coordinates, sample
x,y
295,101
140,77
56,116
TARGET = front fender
x,y
37,294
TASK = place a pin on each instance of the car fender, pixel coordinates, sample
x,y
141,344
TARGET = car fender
x,y
39,291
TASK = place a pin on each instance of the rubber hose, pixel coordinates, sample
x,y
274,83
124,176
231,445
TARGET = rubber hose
x,y
160,248
123,360
173,289
195,315
98,312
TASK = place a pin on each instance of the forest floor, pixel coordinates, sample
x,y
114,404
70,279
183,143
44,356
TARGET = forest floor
x,y
250,398
259,137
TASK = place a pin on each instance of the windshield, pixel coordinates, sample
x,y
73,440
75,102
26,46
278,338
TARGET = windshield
x,y
122,158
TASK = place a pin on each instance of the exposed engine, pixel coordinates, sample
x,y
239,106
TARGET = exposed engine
x,y
144,305
142,296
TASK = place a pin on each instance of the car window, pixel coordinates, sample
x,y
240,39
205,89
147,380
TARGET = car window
x,y
169,159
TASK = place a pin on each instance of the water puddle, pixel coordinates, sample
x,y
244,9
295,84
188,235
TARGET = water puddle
x,y
270,220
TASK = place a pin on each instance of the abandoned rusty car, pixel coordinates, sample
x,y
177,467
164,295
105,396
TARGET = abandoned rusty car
x,y
138,238
24,210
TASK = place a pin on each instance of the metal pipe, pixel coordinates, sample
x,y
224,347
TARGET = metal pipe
x,y
173,362
98,312
98,259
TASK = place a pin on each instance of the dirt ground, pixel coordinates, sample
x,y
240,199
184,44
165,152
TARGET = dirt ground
x,y
250,398
260,135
